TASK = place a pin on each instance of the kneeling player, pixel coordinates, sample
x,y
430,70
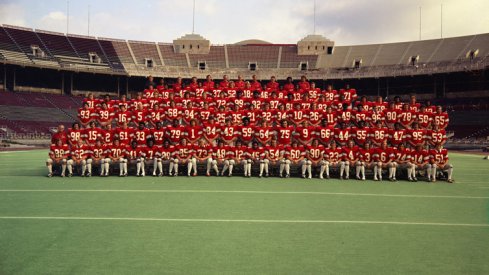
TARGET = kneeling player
x,y
58,155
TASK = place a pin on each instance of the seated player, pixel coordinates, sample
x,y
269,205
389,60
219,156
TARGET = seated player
x,y
420,158
293,154
98,153
229,161
364,156
257,155
150,155
439,160
79,157
331,157
273,153
116,155
132,157
185,154
348,159
58,155
203,154
384,157
403,160
314,155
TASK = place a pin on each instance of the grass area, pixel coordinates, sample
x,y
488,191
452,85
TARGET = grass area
x,y
236,225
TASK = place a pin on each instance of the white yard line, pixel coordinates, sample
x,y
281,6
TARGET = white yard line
x,y
244,221
241,192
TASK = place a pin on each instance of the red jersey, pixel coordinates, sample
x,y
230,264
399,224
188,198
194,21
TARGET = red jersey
x,y
203,151
284,135
360,135
183,152
99,152
59,152
92,134
80,151
349,154
263,134
139,116
193,133
133,153
108,136
439,157
166,152
420,157
151,152
365,155
325,134
156,115
384,155
315,153
379,135
104,115
142,135
397,137
158,135
86,115
59,136
247,133
330,96
342,135
441,119
349,95
295,153
361,116
274,151
175,134
173,113
407,117
333,155
305,134
331,118
391,116
123,117
315,116
436,137
229,133
74,135
211,131
417,137
424,119
403,155
345,115
125,135
297,116
206,114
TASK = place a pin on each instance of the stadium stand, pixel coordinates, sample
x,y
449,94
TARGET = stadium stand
x,y
265,56
170,57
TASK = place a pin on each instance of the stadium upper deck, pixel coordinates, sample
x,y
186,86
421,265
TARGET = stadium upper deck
x,y
37,48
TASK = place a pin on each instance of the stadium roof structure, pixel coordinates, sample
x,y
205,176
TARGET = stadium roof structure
x,y
193,55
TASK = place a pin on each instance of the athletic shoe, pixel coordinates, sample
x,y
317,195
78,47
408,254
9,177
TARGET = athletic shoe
x,y
89,174
70,175
287,175
50,175
321,177
450,180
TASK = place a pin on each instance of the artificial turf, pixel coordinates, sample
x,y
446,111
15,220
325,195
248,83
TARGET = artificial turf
x,y
211,225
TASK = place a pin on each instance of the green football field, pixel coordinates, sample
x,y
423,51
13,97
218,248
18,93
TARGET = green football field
x,y
210,225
